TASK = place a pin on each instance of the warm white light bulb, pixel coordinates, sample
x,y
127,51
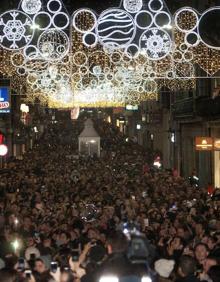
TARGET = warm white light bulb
x,y
146,279
109,279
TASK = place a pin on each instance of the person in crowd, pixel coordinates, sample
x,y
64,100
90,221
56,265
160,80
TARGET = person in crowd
x,y
187,269
56,207
164,268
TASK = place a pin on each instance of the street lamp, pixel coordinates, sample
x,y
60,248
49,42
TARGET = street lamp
x,y
3,150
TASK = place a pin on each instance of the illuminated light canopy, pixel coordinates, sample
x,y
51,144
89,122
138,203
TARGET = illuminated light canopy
x,y
122,56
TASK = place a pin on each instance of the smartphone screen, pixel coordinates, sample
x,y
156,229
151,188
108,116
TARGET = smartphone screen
x,y
53,266
75,256
28,274
146,222
21,264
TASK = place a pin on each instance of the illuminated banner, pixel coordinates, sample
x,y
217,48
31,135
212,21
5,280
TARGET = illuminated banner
x,y
217,144
204,143
5,106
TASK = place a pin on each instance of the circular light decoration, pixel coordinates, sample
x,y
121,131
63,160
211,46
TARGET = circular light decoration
x,y
132,50
155,43
184,70
84,70
17,59
109,76
84,20
208,28
170,74
31,79
192,39
162,19
155,5
21,71
15,30
133,6
31,7
97,70
54,3
53,44
90,39
31,52
43,20
3,150
183,47
80,58
60,17
186,19
188,56
116,57
150,86
143,19
115,28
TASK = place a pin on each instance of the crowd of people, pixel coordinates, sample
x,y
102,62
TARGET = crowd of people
x,y
62,215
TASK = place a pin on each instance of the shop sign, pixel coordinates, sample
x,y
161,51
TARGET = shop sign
x,y
204,143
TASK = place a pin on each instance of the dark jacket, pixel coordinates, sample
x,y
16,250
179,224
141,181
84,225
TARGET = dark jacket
x,y
117,264
189,278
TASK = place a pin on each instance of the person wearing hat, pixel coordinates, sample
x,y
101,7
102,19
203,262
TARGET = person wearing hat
x,y
164,268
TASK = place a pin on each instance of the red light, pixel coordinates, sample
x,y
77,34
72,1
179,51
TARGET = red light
x,y
1,138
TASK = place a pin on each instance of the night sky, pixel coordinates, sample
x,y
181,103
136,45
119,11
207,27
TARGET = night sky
x,y
100,5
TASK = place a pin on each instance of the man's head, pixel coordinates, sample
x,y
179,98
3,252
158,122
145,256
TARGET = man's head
x,y
201,252
187,266
40,266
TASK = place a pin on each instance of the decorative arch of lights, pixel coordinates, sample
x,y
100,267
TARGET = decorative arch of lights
x,y
124,55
